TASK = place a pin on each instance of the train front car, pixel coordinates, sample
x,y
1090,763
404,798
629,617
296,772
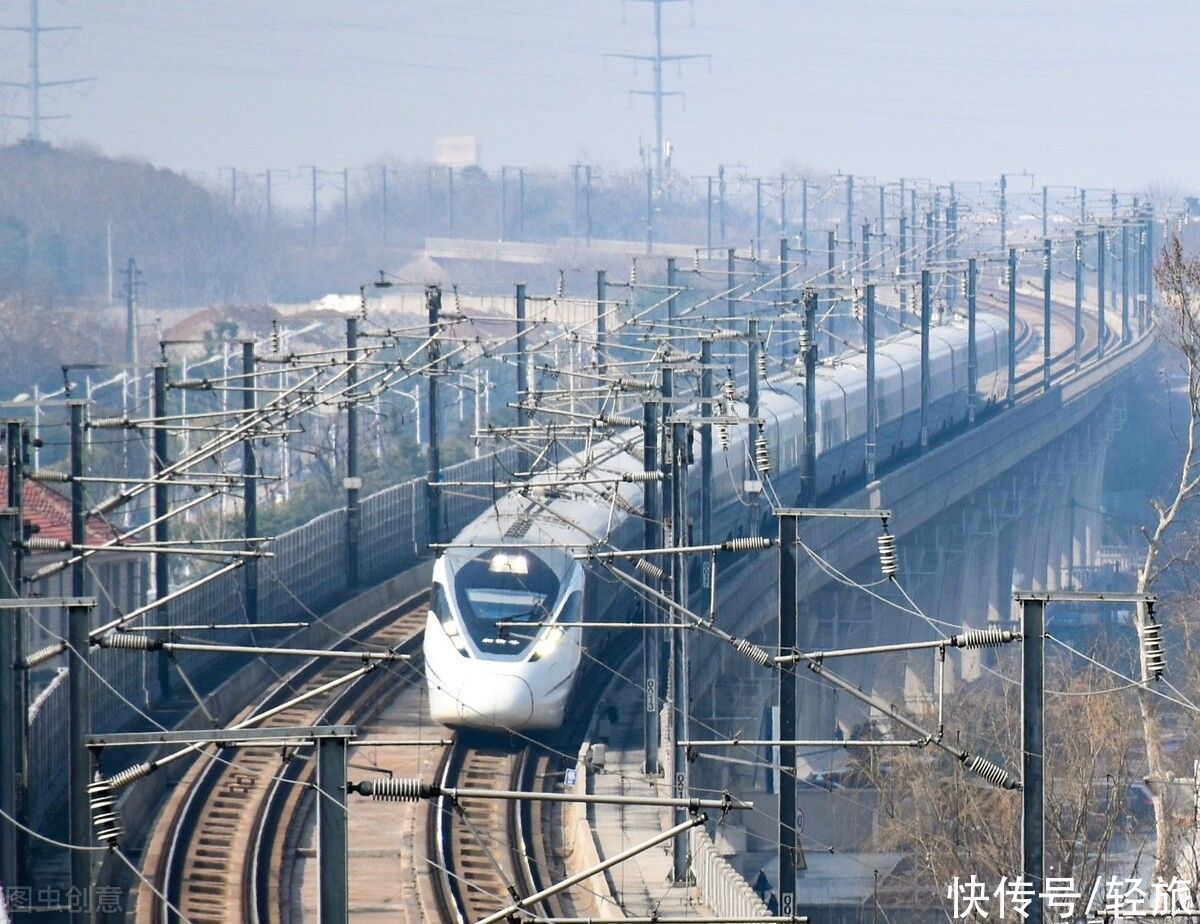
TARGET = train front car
x,y
502,643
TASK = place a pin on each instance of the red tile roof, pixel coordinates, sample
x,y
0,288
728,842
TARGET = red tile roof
x,y
51,512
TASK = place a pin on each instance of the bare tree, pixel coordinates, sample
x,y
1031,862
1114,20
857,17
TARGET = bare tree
x,y
949,823
1178,324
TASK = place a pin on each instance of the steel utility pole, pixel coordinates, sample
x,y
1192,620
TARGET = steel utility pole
x,y
708,218
656,60
706,448
952,238
11,723
784,291
652,540
503,203
16,695
672,294
1078,298
1101,325
332,823
132,279
1046,259
758,218
433,460
1003,211
587,204
730,300
161,505
1125,332
783,215
1011,396
666,532
680,453
926,311
882,224
808,462
1150,261
520,203
866,252
522,378
79,705
872,410
903,258
249,486
804,217
353,483
601,324
721,200
752,347
1033,750
831,291
786,796
972,342
850,213
1143,269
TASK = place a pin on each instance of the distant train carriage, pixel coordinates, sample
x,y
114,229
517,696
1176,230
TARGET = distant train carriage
x,y
503,642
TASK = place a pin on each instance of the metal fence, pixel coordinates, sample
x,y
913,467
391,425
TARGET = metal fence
x,y
721,887
306,576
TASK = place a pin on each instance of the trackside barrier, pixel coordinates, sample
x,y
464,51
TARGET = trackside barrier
x,y
721,887
47,745
307,575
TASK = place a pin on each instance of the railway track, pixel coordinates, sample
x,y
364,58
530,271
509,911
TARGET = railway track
x,y
489,852
1062,362
223,845
480,846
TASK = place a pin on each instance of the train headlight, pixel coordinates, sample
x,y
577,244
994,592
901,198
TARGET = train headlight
x,y
450,627
509,564
548,643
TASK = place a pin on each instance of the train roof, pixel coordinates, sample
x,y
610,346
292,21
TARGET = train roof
x,y
556,510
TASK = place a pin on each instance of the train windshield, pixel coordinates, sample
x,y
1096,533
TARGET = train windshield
x,y
497,592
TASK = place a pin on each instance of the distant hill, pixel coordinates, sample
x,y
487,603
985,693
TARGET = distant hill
x,y
58,206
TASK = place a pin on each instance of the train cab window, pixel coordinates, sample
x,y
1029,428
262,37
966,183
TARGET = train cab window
x,y
441,603
500,587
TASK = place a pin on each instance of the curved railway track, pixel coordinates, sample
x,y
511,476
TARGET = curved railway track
x,y
1062,362
223,848
479,845
486,849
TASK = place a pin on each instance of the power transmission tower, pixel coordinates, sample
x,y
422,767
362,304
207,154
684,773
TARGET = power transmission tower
x,y
34,85
656,60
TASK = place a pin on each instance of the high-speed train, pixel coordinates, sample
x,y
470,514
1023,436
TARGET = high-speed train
x,y
503,642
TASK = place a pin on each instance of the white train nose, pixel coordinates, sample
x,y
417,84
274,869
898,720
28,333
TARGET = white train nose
x,y
501,701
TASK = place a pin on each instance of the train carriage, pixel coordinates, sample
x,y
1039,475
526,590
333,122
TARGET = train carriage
x,y
503,642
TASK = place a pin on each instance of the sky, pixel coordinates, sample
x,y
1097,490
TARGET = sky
x,y
1098,93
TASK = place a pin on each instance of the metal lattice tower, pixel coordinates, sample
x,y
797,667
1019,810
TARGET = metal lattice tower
x,y
34,85
656,60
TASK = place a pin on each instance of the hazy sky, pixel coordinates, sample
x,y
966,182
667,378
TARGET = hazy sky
x,y
1102,92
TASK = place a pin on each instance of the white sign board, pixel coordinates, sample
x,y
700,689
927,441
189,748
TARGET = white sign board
x,y
457,151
